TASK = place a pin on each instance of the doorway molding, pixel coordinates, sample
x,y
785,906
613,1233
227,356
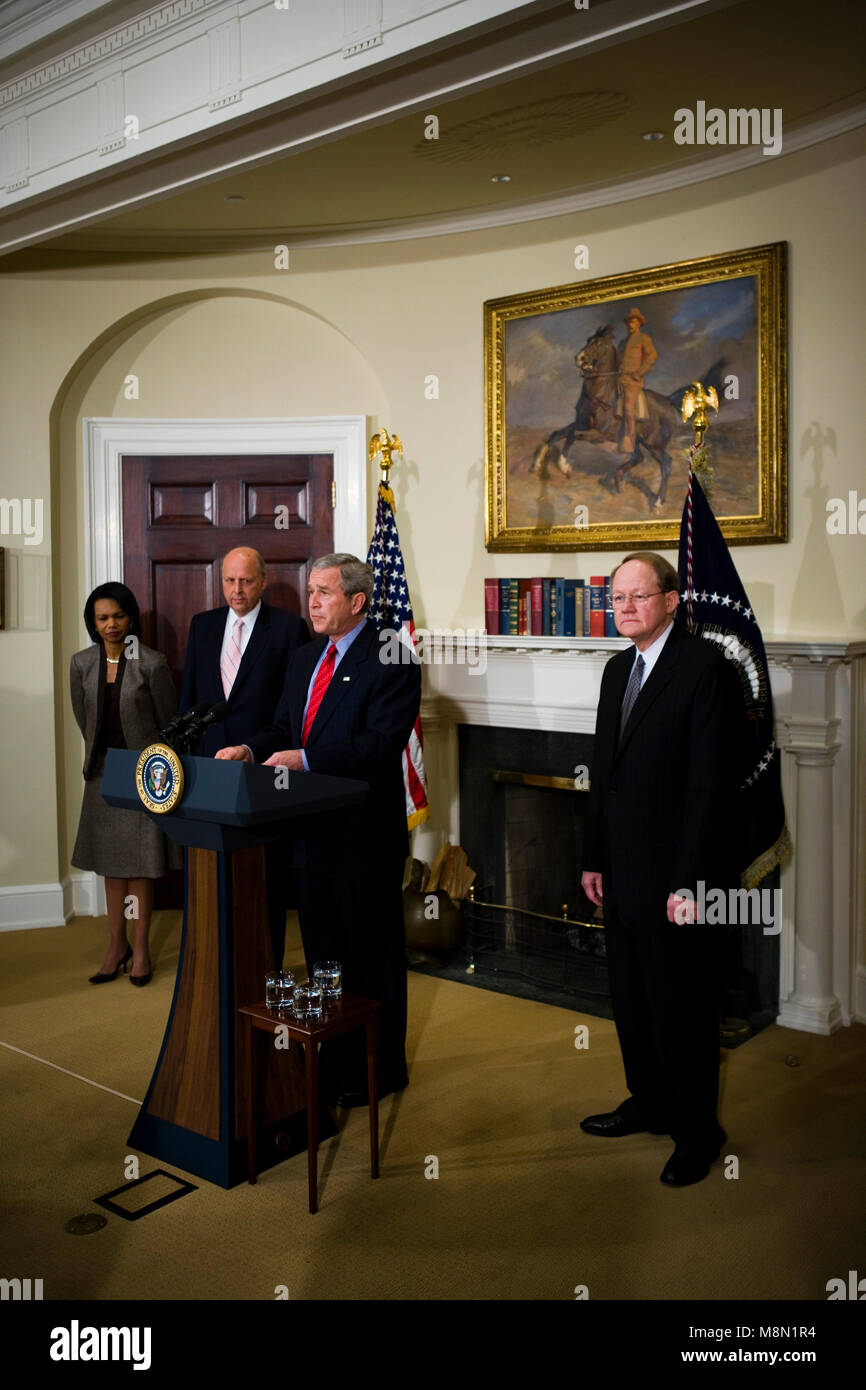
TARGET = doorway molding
x,y
106,440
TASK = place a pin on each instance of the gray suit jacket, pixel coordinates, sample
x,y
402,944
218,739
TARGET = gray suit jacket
x,y
148,699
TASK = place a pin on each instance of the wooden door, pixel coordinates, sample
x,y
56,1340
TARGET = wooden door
x,y
182,513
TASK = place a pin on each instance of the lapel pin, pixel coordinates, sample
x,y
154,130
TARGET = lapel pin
x,y
345,678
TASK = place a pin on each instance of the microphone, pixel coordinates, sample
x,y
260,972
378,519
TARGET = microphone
x,y
193,730
213,715
181,720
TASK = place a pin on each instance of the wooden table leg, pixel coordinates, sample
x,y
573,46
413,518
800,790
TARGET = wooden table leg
x,y
251,1100
373,1093
311,1076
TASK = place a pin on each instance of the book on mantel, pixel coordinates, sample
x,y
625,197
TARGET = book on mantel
x,y
543,607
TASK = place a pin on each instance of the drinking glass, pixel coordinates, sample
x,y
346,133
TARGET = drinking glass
x,y
328,974
307,1001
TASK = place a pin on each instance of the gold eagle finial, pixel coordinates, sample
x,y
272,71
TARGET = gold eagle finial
x,y
695,403
382,445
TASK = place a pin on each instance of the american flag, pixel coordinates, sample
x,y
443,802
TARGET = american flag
x,y
392,609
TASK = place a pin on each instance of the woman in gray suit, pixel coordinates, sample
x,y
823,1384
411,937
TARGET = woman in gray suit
x,y
122,695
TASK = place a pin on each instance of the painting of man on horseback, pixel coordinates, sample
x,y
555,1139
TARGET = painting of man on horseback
x,y
614,408
610,466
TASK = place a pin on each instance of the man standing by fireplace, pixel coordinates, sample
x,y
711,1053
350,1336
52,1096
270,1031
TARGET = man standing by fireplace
x,y
662,817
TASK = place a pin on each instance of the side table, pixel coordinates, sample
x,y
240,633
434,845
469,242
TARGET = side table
x,y
339,1016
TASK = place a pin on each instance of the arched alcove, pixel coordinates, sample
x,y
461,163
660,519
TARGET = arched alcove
x,y
217,371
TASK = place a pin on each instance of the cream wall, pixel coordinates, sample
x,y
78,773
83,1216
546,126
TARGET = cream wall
x,y
357,330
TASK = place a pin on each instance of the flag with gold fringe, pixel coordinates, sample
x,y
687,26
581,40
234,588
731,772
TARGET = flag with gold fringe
x,y
392,609
714,605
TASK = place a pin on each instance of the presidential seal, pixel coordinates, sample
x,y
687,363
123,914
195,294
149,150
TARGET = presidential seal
x,y
159,778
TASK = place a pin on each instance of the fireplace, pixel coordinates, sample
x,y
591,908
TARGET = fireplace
x,y
531,929
815,967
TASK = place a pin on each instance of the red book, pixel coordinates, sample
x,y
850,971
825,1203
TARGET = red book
x,y
537,614
491,607
596,605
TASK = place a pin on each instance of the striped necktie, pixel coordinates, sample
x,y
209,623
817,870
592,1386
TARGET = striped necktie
x,y
320,685
632,691
232,658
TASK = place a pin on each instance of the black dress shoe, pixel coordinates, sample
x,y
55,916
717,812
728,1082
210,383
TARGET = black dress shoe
x,y
103,978
615,1124
141,979
687,1166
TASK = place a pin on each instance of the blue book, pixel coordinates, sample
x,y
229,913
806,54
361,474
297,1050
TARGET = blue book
x,y
504,609
568,616
609,624
559,630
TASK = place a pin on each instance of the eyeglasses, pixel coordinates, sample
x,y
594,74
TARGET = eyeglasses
x,y
619,599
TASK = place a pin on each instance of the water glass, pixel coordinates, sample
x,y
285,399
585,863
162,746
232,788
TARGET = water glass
x,y
307,1002
285,990
279,985
328,974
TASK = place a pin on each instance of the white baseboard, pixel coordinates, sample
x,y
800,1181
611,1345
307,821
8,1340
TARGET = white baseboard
x,y
87,894
33,905
52,904
860,994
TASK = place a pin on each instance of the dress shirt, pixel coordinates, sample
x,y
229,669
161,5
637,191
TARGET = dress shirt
x,y
652,653
248,622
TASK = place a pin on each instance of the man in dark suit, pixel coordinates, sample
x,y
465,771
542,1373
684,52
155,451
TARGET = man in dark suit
x,y
662,817
240,654
346,713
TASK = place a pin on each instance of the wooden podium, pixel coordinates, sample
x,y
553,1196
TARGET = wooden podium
x,y
194,1114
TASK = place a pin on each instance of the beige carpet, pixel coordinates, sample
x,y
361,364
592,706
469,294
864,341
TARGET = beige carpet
x,y
525,1205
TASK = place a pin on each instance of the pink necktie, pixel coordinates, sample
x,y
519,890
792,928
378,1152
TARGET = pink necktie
x,y
232,658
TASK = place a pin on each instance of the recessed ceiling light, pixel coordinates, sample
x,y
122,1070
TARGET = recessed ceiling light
x,y
236,197
653,135
501,178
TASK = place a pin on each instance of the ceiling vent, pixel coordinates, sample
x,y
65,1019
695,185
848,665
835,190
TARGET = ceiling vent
x,y
547,121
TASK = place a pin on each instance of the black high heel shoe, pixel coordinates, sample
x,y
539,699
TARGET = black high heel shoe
x,y
101,979
141,979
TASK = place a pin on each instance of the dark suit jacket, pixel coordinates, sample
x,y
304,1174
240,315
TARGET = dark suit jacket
x,y
260,678
147,697
361,729
663,808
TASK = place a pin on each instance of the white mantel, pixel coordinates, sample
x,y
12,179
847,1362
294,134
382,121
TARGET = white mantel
x,y
819,695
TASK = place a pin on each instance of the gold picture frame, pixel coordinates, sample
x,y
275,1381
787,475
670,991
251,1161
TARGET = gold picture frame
x,y
564,475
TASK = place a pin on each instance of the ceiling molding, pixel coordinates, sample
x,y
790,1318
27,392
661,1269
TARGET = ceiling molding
x,y
24,23
174,243
204,106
